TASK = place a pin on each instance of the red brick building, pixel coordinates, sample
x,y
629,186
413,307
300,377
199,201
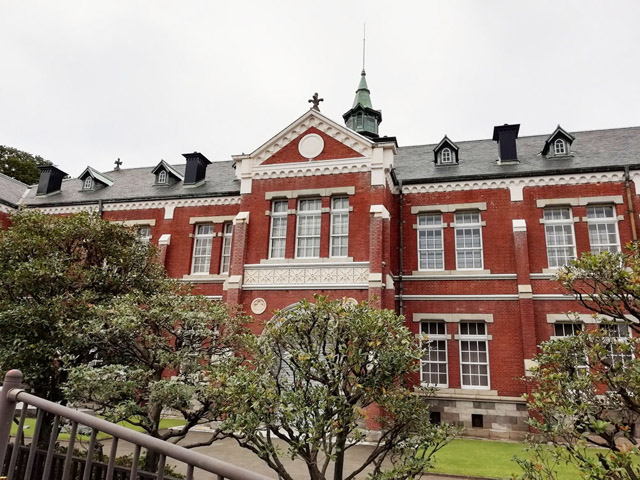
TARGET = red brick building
x,y
462,238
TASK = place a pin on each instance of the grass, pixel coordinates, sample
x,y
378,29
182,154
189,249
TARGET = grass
x,y
486,458
30,425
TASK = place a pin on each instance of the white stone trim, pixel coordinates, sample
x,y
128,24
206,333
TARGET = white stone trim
x,y
306,169
7,209
63,209
586,318
330,261
579,201
517,184
519,225
449,207
131,223
319,192
553,296
453,317
459,298
213,219
204,278
165,239
241,217
379,211
427,275
306,276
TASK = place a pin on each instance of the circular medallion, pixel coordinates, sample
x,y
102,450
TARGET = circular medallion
x,y
258,306
351,301
310,146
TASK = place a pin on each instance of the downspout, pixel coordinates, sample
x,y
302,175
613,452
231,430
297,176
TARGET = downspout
x,y
632,213
400,250
100,208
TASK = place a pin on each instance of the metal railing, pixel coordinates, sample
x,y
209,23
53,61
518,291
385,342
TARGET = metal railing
x,y
12,393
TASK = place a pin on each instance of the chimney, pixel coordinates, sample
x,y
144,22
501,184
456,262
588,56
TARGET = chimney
x,y
196,168
506,136
50,179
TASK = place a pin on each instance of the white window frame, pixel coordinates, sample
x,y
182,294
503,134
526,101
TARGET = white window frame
x,y
575,328
305,216
461,225
339,214
596,222
225,249
446,156
624,358
162,177
143,229
474,338
279,217
424,228
437,337
550,226
202,242
560,147
88,183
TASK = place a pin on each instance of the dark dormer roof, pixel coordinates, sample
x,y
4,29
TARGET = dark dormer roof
x,y
97,177
50,179
169,169
444,143
559,132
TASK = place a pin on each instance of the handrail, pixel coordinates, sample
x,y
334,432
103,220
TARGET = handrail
x,y
195,459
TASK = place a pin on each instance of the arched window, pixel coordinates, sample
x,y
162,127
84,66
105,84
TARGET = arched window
x,y
446,156
559,147
88,183
162,177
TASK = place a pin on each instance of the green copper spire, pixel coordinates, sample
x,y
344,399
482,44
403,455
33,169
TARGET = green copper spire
x,y
361,117
362,93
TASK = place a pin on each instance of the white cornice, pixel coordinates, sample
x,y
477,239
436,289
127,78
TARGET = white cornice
x,y
6,208
142,205
517,184
318,167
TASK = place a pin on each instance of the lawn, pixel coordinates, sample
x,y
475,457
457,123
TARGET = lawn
x,y
30,424
485,458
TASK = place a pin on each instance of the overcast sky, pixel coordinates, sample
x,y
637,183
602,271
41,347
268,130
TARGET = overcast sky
x,y
85,82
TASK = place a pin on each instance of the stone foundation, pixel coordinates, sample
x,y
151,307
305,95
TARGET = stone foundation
x,y
498,418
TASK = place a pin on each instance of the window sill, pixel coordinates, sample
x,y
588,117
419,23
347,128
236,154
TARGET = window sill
x,y
428,273
200,278
287,261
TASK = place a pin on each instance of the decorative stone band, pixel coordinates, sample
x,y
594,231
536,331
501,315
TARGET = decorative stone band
x,y
304,169
267,277
7,209
516,185
168,205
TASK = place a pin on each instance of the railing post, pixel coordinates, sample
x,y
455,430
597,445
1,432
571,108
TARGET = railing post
x,y
13,379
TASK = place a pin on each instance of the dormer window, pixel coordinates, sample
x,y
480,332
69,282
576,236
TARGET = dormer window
x,y
558,144
165,174
446,156
446,152
88,183
162,177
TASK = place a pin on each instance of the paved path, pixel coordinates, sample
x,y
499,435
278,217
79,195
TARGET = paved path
x,y
228,451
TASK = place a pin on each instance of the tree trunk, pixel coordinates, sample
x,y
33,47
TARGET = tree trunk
x,y
153,458
338,470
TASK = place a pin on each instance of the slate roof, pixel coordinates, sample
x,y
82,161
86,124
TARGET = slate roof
x,y
134,184
596,150
591,150
11,190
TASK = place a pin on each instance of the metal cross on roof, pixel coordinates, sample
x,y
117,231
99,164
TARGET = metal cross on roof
x,y
118,163
316,101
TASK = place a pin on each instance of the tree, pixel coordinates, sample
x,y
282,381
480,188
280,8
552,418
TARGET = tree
x,y
53,270
138,339
315,370
21,165
77,289
586,388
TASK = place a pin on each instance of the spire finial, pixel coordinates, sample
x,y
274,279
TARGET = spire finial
x,y
118,163
364,39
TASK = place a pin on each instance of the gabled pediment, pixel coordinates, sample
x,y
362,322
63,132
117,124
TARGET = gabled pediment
x,y
558,134
98,179
311,123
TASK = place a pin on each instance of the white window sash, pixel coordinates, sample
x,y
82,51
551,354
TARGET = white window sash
x,y
339,240
278,241
480,339
308,230
225,257
202,244
476,226
425,252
